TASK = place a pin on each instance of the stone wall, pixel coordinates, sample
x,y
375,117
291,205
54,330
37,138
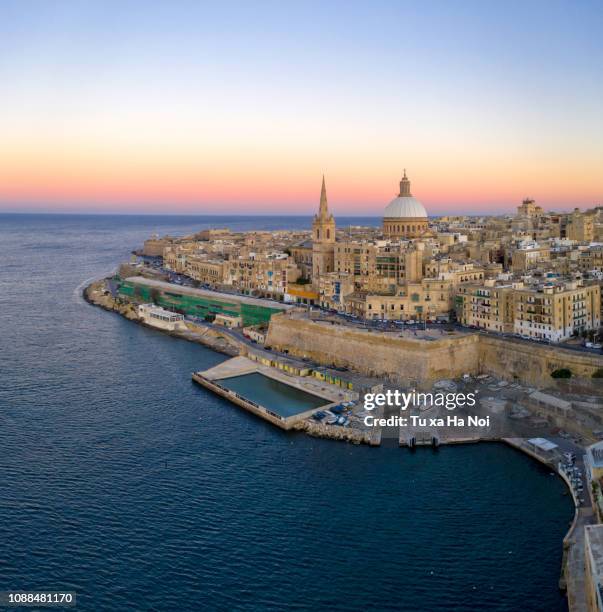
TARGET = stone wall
x,y
533,363
403,360
421,362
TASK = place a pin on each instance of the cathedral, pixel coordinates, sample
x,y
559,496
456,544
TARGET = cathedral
x,y
404,216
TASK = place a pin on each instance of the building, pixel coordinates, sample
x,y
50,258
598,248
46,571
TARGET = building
x,y
334,288
153,246
323,238
591,259
426,300
302,256
529,256
593,562
204,270
267,274
556,312
197,302
486,306
229,321
404,216
357,258
551,312
580,226
162,319
528,209
593,461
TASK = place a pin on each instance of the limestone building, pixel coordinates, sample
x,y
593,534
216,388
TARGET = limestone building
x,y
323,238
549,312
580,226
528,208
404,216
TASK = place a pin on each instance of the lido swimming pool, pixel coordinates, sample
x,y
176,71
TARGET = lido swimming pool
x,y
273,394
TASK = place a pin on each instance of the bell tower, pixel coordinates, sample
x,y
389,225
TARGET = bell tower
x,y
323,238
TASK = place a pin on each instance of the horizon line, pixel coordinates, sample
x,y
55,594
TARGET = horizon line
x,y
212,214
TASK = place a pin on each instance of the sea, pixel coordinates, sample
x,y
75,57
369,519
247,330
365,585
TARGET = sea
x,y
125,482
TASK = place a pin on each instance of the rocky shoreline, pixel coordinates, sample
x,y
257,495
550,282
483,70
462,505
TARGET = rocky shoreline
x,y
96,294
318,430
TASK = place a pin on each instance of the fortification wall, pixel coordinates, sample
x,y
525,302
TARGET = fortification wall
x,y
533,363
421,362
375,354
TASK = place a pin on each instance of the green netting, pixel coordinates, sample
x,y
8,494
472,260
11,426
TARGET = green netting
x,y
197,305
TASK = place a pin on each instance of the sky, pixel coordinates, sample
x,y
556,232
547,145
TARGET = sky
x,y
226,107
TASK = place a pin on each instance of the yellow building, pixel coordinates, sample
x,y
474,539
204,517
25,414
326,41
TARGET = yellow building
x,y
268,274
557,312
422,301
204,270
530,256
302,294
357,258
591,259
549,312
486,306
334,288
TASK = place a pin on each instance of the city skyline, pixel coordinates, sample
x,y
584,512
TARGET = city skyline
x,y
197,109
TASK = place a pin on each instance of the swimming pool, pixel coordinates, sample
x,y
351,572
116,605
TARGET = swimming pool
x,y
272,394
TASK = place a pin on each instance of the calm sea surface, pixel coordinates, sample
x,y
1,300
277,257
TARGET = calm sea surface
x,y
123,481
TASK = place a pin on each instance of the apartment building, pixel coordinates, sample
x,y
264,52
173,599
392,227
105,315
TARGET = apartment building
x,y
557,312
486,306
422,301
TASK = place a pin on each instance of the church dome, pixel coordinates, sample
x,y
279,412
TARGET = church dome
x,y
404,205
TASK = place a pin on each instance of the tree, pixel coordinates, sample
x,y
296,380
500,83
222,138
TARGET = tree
x,y
561,373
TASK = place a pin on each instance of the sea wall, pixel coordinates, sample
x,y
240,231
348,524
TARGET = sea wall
x,y
421,362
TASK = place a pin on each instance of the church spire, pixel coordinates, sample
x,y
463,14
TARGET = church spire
x,y
323,210
323,226
405,187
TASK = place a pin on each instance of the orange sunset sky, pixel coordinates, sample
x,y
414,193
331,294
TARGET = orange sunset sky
x,y
192,108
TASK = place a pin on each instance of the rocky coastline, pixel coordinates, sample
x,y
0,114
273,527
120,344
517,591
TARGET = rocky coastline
x,y
96,294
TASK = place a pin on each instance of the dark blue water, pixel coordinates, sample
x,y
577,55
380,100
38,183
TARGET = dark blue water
x,y
123,481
